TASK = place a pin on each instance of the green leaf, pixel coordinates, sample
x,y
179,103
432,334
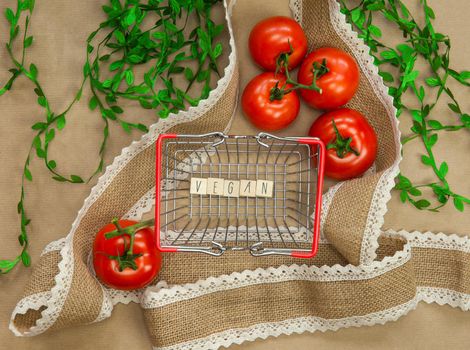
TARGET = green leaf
x,y
387,77
119,37
389,54
432,81
40,153
375,6
458,204
76,179
426,160
125,126
454,108
129,77
50,136
432,140
429,11
142,127
60,122
107,113
25,258
435,124
356,14
217,51
39,126
414,191
28,42
130,17
410,77
170,26
443,169
104,58
175,6
160,35
42,101
7,265
422,203
59,178
417,115
116,65
10,15
27,174
134,58
52,164
107,83
375,31
117,109
93,103
403,196
33,70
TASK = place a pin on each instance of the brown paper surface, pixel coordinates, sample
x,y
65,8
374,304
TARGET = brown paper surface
x,y
60,29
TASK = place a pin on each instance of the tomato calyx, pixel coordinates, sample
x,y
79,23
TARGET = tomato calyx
x,y
341,144
127,259
318,70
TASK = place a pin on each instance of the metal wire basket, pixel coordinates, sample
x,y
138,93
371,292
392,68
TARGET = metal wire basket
x,y
287,222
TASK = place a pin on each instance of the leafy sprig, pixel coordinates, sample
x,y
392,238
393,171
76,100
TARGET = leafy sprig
x,y
397,66
164,49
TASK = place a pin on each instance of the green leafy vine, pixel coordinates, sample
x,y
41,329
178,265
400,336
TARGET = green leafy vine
x,y
420,42
122,42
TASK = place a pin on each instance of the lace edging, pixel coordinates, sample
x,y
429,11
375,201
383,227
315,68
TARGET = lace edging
x,y
433,240
54,245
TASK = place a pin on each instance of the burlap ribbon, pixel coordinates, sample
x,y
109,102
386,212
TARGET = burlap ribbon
x,y
361,276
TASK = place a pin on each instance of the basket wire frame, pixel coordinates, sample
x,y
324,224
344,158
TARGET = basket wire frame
x,y
213,224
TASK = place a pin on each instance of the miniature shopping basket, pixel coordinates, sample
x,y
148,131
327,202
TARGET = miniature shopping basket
x,y
286,223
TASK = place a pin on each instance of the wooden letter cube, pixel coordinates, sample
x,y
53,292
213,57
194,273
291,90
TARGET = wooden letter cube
x,y
264,188
215,186
198,186
247,188
231,188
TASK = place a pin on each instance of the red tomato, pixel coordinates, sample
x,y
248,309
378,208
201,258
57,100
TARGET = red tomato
x,y
274,36
338,85
351,152
265,113
106,252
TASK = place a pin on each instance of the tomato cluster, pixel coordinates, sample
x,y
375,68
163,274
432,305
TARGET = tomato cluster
x,y
327,79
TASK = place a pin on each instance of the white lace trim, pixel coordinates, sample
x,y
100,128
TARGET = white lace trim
x,y
296,9
434,240
54,245
143,205
64,278
443,296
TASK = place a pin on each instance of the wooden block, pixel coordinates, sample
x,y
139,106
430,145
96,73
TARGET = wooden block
x,y
231,188
247,188
198,186
264,188
215,186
